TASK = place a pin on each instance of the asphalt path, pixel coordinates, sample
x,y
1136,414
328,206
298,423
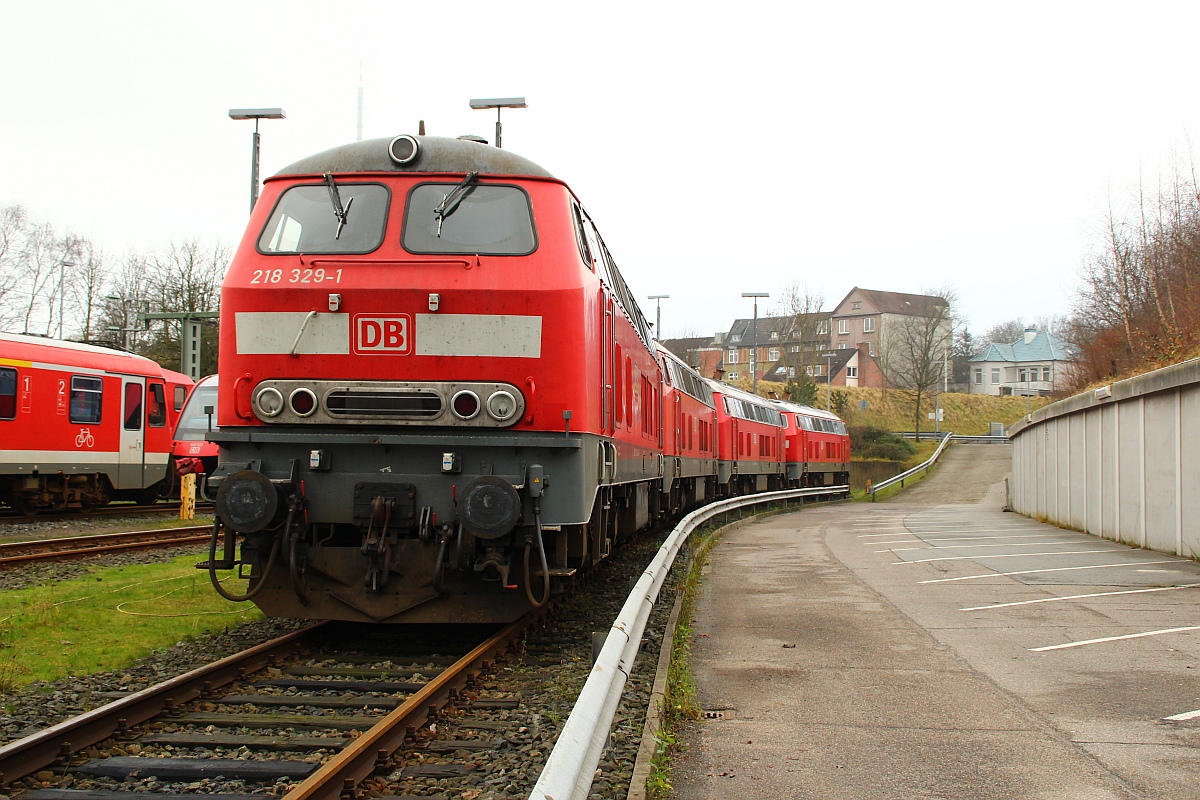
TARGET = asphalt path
x,y
935,646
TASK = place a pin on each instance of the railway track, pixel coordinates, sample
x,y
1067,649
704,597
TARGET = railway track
x,y
61,549
11,515
312,713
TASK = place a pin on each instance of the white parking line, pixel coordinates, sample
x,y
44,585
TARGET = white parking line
x,y
1082,597
1001,536
1034,571
1184,717
1113,639
961,546
999,555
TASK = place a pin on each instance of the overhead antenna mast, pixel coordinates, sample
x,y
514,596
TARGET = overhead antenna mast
x,y
360,99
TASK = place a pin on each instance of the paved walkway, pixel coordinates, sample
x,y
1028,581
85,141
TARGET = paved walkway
x,y
839,658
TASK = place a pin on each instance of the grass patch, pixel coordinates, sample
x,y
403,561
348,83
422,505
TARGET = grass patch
x,y
109,619
679,698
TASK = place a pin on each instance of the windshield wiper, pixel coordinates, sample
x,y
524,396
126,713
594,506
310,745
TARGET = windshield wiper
x,y
342,214
452,199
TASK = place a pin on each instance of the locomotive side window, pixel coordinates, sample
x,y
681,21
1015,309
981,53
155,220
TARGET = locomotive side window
x,y
485,220
305,220
580,236
8,393
156,406
133,406
180,396
87,396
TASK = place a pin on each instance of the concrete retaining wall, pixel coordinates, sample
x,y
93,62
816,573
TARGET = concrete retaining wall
x,y
1122,462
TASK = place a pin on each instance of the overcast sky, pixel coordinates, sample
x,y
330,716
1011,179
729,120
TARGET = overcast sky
x,y
721,148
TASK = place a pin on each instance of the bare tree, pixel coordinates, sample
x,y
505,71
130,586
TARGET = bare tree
x,y
13,223
40,273
1003,333
802,328
87,290
918,345
1139,304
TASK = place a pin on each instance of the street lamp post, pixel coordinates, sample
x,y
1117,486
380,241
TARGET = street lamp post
x,y
62,292
828,379
255,114
754,348
658,298
499,103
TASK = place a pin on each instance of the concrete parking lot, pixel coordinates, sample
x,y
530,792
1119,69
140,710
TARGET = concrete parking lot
x,y
937,646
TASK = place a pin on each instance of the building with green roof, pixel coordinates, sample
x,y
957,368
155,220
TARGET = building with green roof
x,y
1037,364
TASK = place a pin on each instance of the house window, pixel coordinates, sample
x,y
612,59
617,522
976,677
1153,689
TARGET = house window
x,y
823,328
978,376
871,349
731,376
795,348
1046,374
995,374
843,326
868,325
791,372
773,354
851,372
857,304
732,356
774,335
843,345
812,371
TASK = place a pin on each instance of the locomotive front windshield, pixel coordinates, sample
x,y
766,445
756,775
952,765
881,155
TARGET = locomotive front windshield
x,y
194,424
305,220
480,219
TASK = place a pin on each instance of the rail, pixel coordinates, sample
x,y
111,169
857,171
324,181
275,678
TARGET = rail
x,y
572,763
981,439
946,439
78,546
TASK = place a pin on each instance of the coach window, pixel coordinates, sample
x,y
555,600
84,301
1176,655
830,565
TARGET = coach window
x,y
8,393
87,396
486,220
305,220
133,406
156,406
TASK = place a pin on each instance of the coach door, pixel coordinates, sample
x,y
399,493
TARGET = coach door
x,y
131,460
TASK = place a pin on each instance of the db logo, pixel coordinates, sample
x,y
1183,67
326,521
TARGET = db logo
x,y
385,334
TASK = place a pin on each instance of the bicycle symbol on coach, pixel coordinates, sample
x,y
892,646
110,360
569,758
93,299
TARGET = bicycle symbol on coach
x,y
85,438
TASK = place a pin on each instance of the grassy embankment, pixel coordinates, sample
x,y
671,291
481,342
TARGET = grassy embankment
x,y
109,619
893,409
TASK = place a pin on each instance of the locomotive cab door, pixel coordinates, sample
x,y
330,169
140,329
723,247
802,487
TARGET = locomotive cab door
x,y
131,455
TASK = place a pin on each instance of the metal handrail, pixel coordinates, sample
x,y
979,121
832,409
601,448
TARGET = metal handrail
x,y
572,763
949,437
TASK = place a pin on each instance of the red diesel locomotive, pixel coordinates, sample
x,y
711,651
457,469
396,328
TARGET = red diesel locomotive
x,y
818,446
81,424
197,420
438,396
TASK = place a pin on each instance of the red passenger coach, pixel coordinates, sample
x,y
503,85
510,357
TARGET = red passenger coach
x,y
818,446
750,443
81,425
437,393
